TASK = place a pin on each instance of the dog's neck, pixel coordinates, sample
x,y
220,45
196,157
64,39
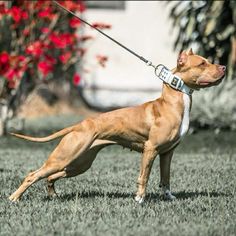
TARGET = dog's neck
x,y
170,94
177,101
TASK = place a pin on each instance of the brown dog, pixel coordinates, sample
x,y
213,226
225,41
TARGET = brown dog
x,y
152,128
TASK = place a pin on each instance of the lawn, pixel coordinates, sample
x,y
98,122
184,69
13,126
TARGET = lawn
x,y
100,202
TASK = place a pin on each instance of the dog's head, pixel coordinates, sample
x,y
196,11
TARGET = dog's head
x,y
197,72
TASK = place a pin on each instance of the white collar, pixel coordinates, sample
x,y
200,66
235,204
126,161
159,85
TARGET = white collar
x,y
173,80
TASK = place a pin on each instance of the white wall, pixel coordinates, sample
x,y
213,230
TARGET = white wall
x,y
145,28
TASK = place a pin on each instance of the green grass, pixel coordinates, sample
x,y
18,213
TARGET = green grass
x,y
100,202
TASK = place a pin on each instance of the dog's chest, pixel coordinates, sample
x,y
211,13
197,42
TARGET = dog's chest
x,y
185,119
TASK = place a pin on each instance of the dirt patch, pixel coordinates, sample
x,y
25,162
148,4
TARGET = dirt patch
x,y
41,104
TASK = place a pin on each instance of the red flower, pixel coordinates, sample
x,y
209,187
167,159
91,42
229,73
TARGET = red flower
x,y
26,32
50,59
86,37
101,25
102,60
24,15
35,49
15,69
70,5
45,67
56,40
45,30
74,6
46,13
41,3
62,40
74,22
18,14
22,58
65,57
4,58
11,84
81,6
3,9
4,62
11,74
76,79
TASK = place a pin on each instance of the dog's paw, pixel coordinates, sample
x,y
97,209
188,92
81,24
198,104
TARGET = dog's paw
x,y
168,196
52,194
13,198
139,199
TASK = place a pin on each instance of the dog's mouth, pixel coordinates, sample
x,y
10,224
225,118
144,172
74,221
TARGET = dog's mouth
x,y
204,83
210,83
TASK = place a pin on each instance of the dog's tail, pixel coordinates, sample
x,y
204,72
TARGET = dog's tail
x,y
45,139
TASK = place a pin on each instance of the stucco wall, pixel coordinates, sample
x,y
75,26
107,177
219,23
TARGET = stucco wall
x,y
145,28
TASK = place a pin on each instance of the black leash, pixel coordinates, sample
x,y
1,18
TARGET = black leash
x,y
149,63
161,71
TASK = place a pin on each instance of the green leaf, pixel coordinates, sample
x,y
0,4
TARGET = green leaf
x,y
226,33
190,27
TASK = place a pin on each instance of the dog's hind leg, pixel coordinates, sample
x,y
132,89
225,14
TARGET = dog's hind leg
x,y
51,180
71,146
80,165
32,177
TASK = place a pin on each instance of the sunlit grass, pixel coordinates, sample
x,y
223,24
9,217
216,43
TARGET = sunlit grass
x,y
100,202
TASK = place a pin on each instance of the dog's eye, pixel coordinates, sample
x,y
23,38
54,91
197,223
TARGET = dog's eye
x,y
203,63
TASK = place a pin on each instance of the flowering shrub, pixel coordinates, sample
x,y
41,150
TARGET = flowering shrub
x,y
39,37
38,42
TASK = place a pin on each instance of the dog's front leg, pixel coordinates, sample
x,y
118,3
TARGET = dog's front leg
x,y
148,157
165,161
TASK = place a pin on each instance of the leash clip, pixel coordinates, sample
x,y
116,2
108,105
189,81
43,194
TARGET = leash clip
x,y
149,63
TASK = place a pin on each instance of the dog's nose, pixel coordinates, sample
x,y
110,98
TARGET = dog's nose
x,y
222,68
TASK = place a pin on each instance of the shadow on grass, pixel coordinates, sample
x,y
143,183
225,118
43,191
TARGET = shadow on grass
x,y
91,194
150,197
5,170
186,195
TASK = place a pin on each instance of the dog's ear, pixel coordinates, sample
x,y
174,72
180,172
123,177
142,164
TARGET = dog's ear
x,y
190,52
182,59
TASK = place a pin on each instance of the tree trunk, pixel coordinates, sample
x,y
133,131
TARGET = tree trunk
x,y
3,118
